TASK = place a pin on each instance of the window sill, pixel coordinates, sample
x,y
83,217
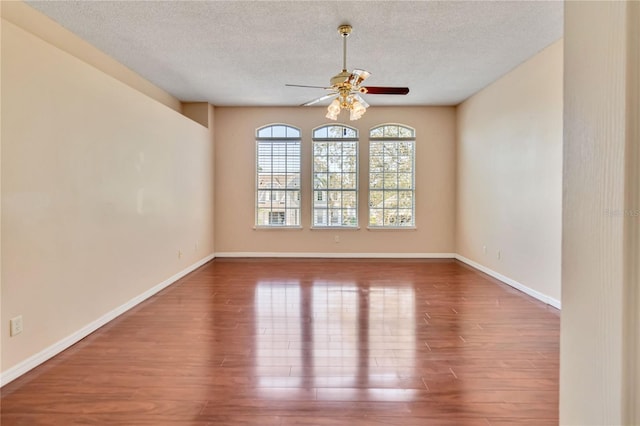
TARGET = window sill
x,y
335,228
392,228
278,228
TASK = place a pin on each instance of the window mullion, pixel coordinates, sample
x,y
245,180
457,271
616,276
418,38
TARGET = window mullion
x,y
396,144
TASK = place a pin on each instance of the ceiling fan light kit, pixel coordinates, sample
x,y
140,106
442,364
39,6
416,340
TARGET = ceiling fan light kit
x,y
346,87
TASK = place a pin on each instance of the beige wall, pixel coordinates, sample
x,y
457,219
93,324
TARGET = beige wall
x,y
632,225
42,26
509,173
600,235
235,189
101,187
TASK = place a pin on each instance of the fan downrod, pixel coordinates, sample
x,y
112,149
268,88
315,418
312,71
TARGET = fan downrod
x,y
344,31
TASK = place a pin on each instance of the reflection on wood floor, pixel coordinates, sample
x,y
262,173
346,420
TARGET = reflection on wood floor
x,y
309,342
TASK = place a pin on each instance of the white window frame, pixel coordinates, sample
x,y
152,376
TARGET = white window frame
x,y
285,194
393,217
321,207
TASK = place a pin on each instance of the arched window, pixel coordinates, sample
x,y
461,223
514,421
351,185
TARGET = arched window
x,y
392,176
335,176
278,176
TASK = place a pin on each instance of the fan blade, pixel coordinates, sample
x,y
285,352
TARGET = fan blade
x,y
358,76
312,87
320,99
379,90
362,101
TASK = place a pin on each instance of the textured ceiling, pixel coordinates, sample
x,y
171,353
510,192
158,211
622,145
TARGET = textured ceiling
x,y
243,52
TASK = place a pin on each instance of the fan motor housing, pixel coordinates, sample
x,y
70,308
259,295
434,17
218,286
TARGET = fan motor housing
x,y
341,78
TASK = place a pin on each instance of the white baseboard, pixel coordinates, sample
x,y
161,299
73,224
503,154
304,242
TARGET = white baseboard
x,y
513,283
51,351
341,255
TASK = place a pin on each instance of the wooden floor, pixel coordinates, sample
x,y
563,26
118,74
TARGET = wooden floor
x,y
309,342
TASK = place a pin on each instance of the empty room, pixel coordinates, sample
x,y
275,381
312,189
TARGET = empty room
x,y
320,213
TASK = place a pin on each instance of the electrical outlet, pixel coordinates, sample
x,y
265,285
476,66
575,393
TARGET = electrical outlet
x,y
336,238
499,255
484,249
179,254
16,325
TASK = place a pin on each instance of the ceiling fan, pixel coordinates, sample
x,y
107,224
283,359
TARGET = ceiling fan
x,y
346,87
